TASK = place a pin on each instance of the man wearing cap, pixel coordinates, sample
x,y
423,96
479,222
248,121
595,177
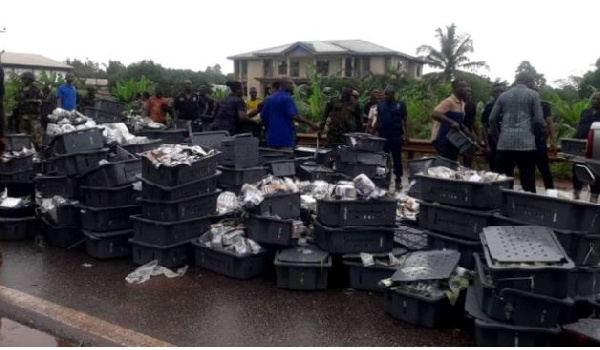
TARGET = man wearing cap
x,y
67,94
185,104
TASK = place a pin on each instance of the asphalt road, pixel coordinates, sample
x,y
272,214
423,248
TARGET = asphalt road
x,y
205,309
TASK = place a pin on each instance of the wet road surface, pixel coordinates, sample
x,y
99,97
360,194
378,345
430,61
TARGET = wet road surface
x,y
16,334
205,309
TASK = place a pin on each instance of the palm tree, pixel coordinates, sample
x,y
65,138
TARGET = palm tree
x,y
453,53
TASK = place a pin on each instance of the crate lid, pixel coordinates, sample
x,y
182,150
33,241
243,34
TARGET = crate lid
x,y
522,244
308,254
283,168
427,265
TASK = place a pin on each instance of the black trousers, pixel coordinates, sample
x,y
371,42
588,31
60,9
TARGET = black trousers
x,y
492,156
543,165
395,150
524,160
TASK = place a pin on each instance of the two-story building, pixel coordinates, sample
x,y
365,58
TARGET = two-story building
x,y
345,58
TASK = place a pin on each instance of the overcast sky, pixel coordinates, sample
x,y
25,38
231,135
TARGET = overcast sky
x,y
558,37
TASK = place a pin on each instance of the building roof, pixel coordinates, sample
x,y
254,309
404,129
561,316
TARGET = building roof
x,y
355,47
31,60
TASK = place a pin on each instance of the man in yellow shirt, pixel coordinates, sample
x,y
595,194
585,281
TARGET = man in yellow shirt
x,y
253,102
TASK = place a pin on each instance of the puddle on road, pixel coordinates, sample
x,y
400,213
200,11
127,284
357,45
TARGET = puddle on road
x,y
16,334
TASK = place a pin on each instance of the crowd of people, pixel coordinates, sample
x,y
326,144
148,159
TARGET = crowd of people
x,y
516,127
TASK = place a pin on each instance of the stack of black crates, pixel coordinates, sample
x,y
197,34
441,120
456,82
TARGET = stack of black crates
x,y
105,111
68,157
520,295
454,212
577,229
363,154
178,203
15,176
346,228
240,163
109,198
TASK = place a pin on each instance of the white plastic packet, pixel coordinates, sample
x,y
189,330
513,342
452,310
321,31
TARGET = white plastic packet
x,y
367,259
144,272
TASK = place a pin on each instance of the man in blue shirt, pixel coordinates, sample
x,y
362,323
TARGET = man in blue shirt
x,y
67,94
279,113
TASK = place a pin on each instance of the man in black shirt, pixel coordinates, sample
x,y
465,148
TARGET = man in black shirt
x,y
541,147
469,124
206,105
588,117
186,103
489,141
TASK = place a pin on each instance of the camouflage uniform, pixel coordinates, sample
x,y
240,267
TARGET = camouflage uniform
x,y
339,117
29,101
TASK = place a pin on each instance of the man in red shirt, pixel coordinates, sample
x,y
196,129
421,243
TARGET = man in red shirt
x,y
158,106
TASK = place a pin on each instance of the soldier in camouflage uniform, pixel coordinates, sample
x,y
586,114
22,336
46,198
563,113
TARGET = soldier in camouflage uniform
x,y
340,117
29,101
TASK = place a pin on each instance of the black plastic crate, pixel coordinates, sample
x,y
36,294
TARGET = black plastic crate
x,y
431,311
302,268
354,156
582,247
170,136
239,177
113,174
201,186
113,107
584,282
17,177
562,214
283,168
138,148
455,221
108,245
493,333
353,170
462,193
168,233
179,174
513,306
103,197
574,147
269,230
283,205
66,215
18,229
50,186
354,239
19,189
20,212
528,258
78,163
209,139
240,151
312,172
77,141
269,155
181,209
380,212
412,238
228,263
465,247
368,277
318,155
108,218
420,166
63,236
101,116
463,143
171,256
365,142
17,164
16,142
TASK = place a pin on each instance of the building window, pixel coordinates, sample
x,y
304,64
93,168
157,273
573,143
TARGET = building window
x,y
295,68
348,67
282,68
388,63
419,72
268,68
366,65
400,66
323,67
244,68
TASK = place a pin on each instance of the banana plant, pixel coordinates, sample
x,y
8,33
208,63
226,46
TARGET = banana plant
x,y
126,91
